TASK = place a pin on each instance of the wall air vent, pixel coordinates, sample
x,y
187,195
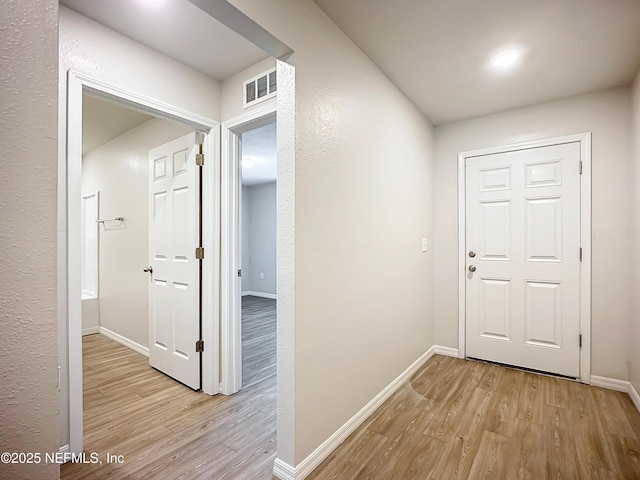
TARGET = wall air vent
x,y
260,88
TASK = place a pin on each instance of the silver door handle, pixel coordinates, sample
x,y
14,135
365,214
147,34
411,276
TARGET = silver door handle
x,y
149,269
472,268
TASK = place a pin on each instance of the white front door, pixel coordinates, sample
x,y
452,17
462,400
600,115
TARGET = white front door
x,y
174,235
523,258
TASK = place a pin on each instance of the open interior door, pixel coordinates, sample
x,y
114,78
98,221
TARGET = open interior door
x,y
174,269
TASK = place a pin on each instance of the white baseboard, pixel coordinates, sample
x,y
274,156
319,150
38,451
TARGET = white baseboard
x,y
90,330
272,296
116,337
635,398
447,351
284,471
618,385
610,383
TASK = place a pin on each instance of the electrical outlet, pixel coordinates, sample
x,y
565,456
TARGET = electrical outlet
x,y
261,275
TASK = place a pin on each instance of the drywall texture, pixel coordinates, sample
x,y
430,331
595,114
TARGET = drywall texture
x,y
363,201
119,170
90,48
606,114
28,119
634,338
259,233
232,90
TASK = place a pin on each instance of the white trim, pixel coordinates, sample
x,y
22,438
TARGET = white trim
x,y
76,84
90,330
272,296
447,351
122,340
283,471
610,383
211,262
619,386
316,457
585,234
230,286
635,398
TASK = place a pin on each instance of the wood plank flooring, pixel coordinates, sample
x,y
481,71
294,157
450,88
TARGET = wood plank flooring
x,y
455,419
165,430
258,339
459,419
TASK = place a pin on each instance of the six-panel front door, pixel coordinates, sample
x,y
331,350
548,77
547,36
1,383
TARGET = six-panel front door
x,y
523,258
174,235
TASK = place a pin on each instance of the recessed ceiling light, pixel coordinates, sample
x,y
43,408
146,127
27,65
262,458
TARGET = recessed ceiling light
x,y
506,58
248,163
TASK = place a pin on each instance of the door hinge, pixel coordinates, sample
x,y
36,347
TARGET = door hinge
x,y
199,346
239,272
200,159
580,340
580,253
580,167
199,253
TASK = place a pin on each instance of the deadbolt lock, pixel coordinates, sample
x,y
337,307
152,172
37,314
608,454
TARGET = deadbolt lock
x,y
472,253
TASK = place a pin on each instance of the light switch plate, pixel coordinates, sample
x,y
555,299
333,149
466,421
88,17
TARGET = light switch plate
x,y
424,244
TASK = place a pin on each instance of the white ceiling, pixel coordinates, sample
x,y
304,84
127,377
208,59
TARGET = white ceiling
x,y
177,29
436,51
259,145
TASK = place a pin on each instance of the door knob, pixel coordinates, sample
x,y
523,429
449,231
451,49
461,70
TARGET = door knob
x,y
472,268
472,253
149,269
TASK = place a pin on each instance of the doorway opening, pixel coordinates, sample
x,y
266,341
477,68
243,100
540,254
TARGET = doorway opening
x,y
249,177
119,308
258,253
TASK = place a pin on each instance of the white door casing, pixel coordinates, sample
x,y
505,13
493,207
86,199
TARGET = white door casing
x,y
70,319
174,235
231,285
527,302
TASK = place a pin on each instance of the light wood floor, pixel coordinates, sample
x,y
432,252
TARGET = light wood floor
x,y
459,419
455,419
165,430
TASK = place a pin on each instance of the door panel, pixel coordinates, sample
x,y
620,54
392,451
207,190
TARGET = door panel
x,y
174,234
523,222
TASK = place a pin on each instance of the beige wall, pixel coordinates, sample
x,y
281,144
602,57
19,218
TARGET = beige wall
x,y
606,114
363,201
28,118
119,171
634,338
232,90
90,48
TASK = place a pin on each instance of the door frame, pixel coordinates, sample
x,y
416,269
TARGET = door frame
x,y
231,246
76,85
584,139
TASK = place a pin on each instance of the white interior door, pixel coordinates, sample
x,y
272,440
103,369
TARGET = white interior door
x,y
523,258
174,235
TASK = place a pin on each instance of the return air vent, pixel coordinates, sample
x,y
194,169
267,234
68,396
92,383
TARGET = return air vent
x,y
260,88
